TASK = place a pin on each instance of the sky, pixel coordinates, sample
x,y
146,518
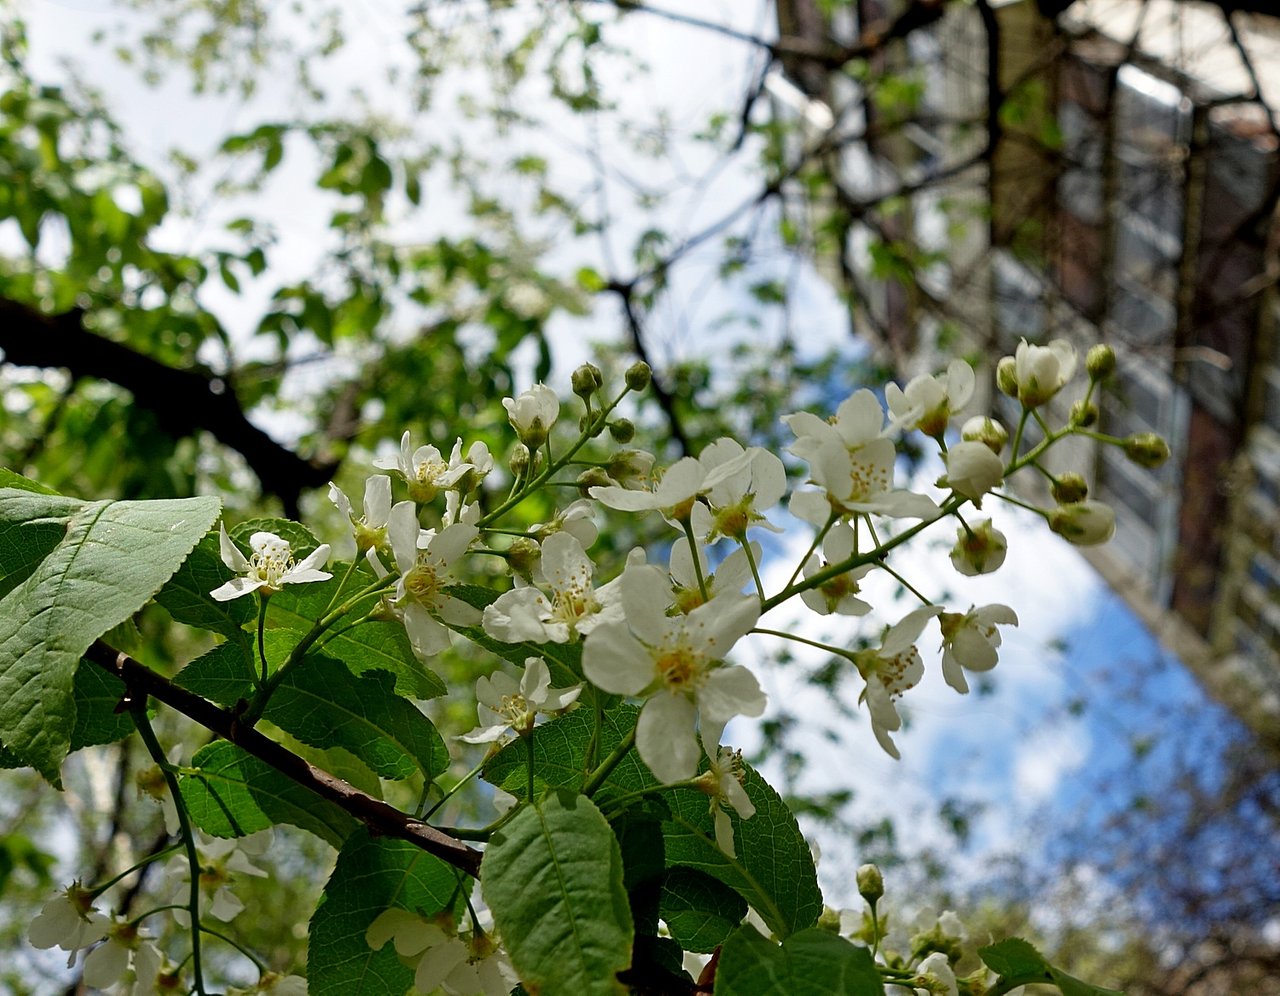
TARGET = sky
x,y
1020,749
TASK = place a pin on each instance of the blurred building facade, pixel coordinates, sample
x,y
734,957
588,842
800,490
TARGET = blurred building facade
x,y
1111,178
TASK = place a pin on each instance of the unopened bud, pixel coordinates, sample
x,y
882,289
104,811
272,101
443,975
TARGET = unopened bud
x,y
638,376
1146,449
829,920
523,556
622,430
1083,415
586,380
985,430
1084,523
870,883
520,458
979,549
1007,376
593,477
630,465
1070,487
1100,361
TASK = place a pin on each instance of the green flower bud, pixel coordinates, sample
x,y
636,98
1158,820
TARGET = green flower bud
x,y
1070,487
1146,449
985,430
622,430
586,380
829,920
593,477
1084,523
1100,361
638,376
520,460
523,556
1084,415
1007,376
870,883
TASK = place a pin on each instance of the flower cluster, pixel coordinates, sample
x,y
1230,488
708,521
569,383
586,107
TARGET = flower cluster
x,y
459,964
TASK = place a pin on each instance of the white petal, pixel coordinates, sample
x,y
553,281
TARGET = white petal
x,y
645,597
377,500
615,661
402,531
731,691
452,542
231,555
235,588
340,500
664,737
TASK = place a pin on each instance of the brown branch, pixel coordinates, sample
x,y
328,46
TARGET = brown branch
x,y
381,819
183,401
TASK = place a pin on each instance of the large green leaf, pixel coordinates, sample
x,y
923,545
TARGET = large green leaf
x,y
186,595
369,646
773,869
111,559
553,878
231,793
810,963
699,910
322,704
372,875
99,718
1018,961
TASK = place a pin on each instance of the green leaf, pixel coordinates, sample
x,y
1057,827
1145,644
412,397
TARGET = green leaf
x,y
773,869
322,704
11,479
372,875
99,720
110,560
224,675
811,962
186,595
368,646
231,793
699,910
553,878
1017,960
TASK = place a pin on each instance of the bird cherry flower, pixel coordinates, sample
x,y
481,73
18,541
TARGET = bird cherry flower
x,y
370,528
927,403
274,984
474,966
852,460
891,669
730,576
677,491
573,609
840,594
979,549
424,572
969,641
934,977
221,862
723,782
738,501
125,954
972,470
425,470
577,518
677,663
269,568
1041,371
69,921
532,414
1083,523
503,704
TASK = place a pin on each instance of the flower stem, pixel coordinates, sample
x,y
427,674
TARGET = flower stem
x,y
138,709
597,777
451,792
837,651
262,625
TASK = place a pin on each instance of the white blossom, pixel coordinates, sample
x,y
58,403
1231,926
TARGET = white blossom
x,y
425,470
677,661
677,491
1084,523
269,568
221,861
738,501
573,609
475,966
532,414
1043,370
420,594
723,782
729,578
370,528
68,921
840,594
892,669
969,641
937,967
504,704
972,470
928,402
852,460
979,549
